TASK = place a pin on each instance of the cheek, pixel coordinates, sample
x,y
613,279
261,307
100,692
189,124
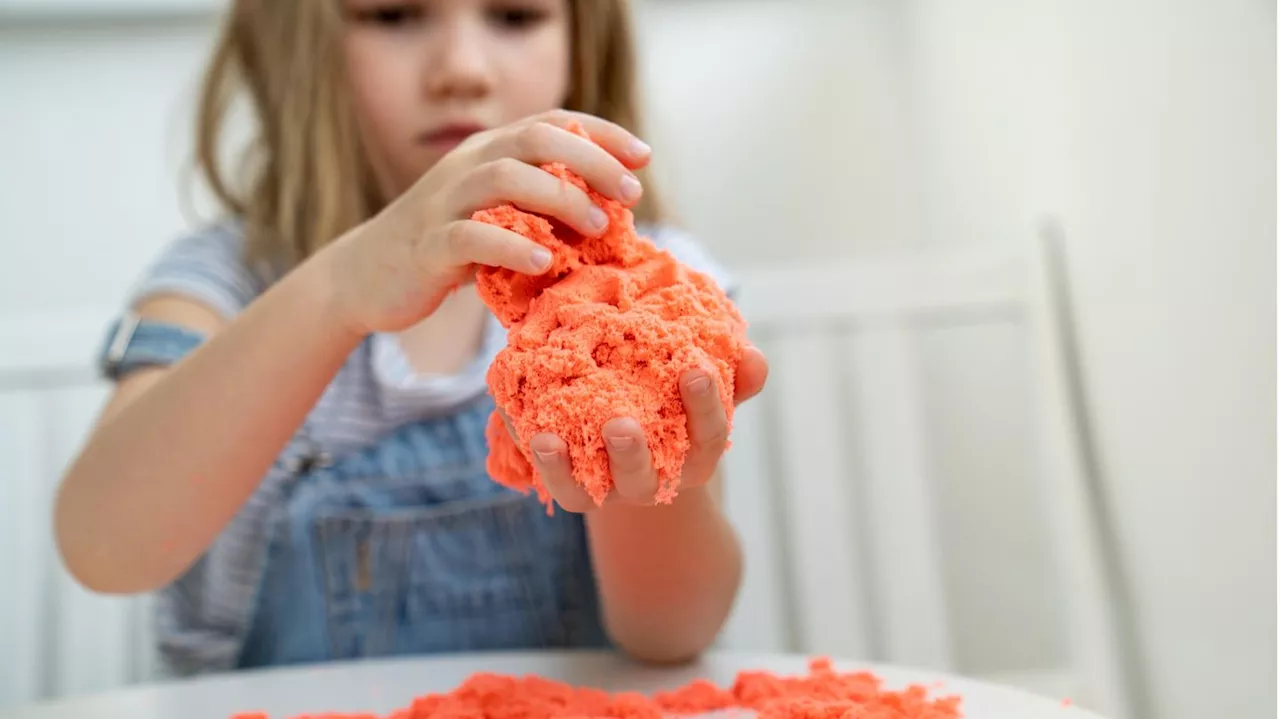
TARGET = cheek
x,y
538,75
382,91
380,82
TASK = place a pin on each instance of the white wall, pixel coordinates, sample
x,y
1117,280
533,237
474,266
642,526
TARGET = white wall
x,y
1175,133
1147,127
93,130
763,155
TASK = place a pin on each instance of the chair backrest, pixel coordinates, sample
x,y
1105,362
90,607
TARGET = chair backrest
x,y
60,638
829,481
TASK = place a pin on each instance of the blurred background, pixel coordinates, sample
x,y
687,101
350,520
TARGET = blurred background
x,y
1091,472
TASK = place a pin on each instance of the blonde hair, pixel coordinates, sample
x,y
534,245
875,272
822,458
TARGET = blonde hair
x,y
303,178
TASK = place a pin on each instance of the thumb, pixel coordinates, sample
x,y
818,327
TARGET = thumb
x,y
753,371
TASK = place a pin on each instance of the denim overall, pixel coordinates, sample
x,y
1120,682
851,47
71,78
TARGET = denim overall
x,y
403,547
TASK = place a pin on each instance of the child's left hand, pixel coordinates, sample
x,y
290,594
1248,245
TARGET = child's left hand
x,y
635,480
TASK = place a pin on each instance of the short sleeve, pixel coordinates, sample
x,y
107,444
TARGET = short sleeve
x,y
206,265
686,248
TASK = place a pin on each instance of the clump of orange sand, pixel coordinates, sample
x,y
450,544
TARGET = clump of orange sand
x,y
822,694
606,332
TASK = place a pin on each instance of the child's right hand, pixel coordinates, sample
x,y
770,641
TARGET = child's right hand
x,y
395,269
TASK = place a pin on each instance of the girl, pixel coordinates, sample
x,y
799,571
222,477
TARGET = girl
x,y
294,453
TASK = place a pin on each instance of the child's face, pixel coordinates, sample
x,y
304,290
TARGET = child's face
x,y
426,73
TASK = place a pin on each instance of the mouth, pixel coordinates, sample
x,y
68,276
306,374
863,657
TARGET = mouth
x,y
449,136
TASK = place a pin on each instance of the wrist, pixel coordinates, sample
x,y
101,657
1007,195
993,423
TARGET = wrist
x,y
667,574
319,276
691,504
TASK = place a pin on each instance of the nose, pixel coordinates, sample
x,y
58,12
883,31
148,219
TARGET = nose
x,y
458,67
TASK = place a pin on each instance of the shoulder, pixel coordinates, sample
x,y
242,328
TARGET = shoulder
x,y
206,265
687,248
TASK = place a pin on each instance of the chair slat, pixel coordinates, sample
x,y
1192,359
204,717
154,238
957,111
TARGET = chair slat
x,y
758,622
23,534
92,635
906,577
824,563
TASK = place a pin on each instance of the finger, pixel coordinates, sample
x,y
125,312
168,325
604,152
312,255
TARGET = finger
x,y
507,421
539,143
466,242
530,188
753,370
629,461
614,138
708,426
551,459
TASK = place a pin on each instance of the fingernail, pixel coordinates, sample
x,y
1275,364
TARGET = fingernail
x,y
541,258
631,188
639,148
699,385
599,219
621,442
545,456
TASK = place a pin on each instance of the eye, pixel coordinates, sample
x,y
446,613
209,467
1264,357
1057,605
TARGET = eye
x,y
516,17
391,15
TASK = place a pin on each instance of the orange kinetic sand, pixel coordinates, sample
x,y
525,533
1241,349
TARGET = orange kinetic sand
x,y
606,332
823,694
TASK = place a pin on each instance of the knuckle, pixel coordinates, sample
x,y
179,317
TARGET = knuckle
x,y
504,174
421,248
477,140
567,494
457,241
535,138
632,461
710,406
637,464
717,434
558,116
570,197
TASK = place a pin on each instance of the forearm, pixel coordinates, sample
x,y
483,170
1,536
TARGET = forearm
x,y
667,575
164,474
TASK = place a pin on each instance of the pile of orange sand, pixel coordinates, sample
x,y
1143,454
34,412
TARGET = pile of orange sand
x,y
606,332
822,694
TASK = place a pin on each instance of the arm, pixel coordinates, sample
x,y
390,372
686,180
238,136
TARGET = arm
x,y
668,575
178,450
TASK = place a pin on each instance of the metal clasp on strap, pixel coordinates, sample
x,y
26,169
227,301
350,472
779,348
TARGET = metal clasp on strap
x,y
120,340
316,457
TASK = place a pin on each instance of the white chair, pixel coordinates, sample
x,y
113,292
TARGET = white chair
x,y
60,638
829,484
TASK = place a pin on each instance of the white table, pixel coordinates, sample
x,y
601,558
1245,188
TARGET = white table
x,y
384,685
